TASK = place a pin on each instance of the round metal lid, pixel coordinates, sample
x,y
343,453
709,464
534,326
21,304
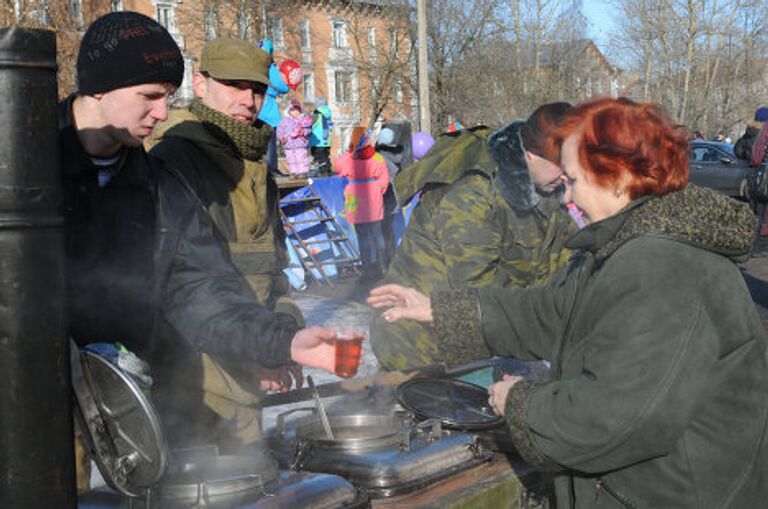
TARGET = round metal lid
x,y
457,404
120,424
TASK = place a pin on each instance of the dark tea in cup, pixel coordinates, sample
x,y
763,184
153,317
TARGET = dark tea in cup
x,y
349,346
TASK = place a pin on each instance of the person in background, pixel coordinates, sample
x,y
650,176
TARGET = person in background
x,y
757,153
320,138
393,157
455,126
656,376
145,265
367,180
490,213
293,133
743,146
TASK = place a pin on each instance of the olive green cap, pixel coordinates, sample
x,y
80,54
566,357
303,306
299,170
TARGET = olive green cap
x,y
235,59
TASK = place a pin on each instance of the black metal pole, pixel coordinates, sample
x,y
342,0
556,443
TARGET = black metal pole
x,y
36,440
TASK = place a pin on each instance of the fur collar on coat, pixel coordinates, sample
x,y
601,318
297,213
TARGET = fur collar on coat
x,y
512,177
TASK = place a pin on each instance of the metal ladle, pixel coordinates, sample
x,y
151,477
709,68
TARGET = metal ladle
x,y
320,408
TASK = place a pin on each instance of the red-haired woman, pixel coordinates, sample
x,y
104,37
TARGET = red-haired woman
x,y
658,393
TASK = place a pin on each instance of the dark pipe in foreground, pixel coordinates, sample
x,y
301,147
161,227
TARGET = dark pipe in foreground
x,y
36,441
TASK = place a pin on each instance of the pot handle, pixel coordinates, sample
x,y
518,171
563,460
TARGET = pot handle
x,y
280,425
432,427
204,495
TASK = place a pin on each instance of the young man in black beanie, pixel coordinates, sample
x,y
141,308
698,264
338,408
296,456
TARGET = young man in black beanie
x,y
144,266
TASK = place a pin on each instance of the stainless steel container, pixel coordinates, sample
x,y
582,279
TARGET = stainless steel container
x,y
126,439
385,455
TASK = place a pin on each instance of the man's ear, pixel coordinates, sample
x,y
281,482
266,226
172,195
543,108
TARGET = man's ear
x,y
97,96
199,85
528,157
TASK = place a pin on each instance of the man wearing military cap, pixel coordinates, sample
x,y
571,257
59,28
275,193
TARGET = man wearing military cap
x,y
215,145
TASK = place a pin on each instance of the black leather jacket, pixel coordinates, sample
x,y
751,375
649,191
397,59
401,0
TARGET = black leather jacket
x,y
144,267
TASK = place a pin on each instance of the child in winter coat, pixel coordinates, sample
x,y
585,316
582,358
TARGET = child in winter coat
x,y
320,139
368,178
293,132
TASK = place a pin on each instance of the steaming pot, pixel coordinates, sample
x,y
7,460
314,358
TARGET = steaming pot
x,y
125,437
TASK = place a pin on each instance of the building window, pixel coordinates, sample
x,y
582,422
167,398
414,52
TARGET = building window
x,y
339,34
210,22
166,16
397,92
309,87
38,13
375,82
116,5
393,40
372,42
276,30
343,83
76,12
346,136
305,34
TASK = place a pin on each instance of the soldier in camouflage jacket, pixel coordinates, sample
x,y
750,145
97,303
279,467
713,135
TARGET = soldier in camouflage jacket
x,y
486,216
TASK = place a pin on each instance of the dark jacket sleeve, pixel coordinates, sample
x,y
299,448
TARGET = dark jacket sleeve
x,y
204,297
525,322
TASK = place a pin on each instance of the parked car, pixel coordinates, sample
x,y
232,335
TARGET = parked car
x,y
713,164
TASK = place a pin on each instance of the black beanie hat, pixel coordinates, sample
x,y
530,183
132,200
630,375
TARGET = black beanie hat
x,y
122,49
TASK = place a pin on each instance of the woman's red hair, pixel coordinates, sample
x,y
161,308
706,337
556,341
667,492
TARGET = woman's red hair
x,y
635,145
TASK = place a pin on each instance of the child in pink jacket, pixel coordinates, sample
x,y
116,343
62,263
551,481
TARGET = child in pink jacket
x,y
367,180
293,132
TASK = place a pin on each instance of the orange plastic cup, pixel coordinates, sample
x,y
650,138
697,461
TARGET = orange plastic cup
x,y
349,346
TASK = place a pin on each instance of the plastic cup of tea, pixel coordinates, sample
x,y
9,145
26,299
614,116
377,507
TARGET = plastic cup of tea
x,y
349,346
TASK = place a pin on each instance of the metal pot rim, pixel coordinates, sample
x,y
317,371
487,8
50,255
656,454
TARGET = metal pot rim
x,y
389,427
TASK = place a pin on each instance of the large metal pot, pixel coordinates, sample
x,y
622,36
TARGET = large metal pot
x,y
201,477
355,432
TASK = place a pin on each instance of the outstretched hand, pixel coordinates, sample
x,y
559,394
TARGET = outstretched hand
x,y
314,347
403,303
497,393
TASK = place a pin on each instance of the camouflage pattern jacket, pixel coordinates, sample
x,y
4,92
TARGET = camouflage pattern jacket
x,y
480,222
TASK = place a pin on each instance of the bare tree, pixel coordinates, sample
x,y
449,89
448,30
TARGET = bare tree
x,y
383,54
455,30
698,58
525,53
